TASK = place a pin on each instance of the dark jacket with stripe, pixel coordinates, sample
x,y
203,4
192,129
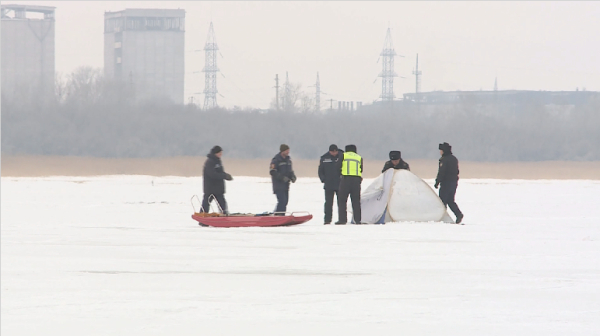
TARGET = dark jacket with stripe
x,y
214,175
400,165
280,169
448,169
330,170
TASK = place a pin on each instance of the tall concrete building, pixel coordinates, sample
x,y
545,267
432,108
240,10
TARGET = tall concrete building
x,y
145,47
27,51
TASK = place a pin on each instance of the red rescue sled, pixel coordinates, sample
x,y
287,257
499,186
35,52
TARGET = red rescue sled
x,y
250,220
247,220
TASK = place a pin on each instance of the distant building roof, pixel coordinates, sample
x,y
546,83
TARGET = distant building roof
x,y
147,12
20,12
29,8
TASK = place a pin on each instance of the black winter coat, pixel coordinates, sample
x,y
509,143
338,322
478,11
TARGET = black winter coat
x,y
330,170
214,176
400,165
448,169
280,169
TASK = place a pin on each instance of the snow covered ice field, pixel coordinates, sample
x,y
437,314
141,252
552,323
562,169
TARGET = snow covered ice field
x,y
120,255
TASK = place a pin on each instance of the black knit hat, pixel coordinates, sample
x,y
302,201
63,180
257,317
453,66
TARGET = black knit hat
x,y
333,148
216,149
351,148
395,155
283,148
445,147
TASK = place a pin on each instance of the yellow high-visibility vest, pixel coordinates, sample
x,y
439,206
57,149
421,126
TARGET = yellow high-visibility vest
x,y
351,164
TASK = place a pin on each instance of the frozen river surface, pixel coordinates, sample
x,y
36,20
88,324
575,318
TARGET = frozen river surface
x,y
120,255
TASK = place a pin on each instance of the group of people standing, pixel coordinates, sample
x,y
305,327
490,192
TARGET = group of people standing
x,y
341,175
340,171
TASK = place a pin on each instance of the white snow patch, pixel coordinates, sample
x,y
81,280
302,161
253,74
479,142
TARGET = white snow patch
x,y
117,255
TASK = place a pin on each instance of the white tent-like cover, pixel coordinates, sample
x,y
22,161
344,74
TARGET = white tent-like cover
x,y
401,196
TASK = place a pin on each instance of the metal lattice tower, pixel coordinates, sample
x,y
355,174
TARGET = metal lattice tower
x,y
287,93
276,92
318,95
417,74
387,73
210,70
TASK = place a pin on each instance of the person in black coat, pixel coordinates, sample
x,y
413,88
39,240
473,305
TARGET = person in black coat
x,y
214,177
447,179
282,174
395,162
329,172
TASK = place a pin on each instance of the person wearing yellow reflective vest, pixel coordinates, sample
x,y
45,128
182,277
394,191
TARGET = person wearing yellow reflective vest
x,y
352,167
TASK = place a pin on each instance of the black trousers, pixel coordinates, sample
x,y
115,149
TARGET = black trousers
x,y
219,197
282,200
447,192
349,186
329,194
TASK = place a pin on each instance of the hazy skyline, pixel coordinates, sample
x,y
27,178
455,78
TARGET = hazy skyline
x,y
461,45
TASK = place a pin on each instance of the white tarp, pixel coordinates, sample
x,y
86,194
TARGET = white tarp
x,y
374,199
401,196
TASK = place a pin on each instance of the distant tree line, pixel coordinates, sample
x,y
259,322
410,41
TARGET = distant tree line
x,y
91,116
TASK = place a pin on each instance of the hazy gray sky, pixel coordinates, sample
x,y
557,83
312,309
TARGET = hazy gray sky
x,y
461,45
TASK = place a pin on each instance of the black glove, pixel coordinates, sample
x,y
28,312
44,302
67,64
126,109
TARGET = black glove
x,y
286,179
228,177
293,178
436,184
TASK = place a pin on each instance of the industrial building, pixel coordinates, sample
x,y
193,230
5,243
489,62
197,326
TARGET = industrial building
x,y
504,97
145,47
27,51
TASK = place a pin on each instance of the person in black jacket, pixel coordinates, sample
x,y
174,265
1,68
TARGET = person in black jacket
x,y
214,177
447,179
281,174
329,172
395,162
